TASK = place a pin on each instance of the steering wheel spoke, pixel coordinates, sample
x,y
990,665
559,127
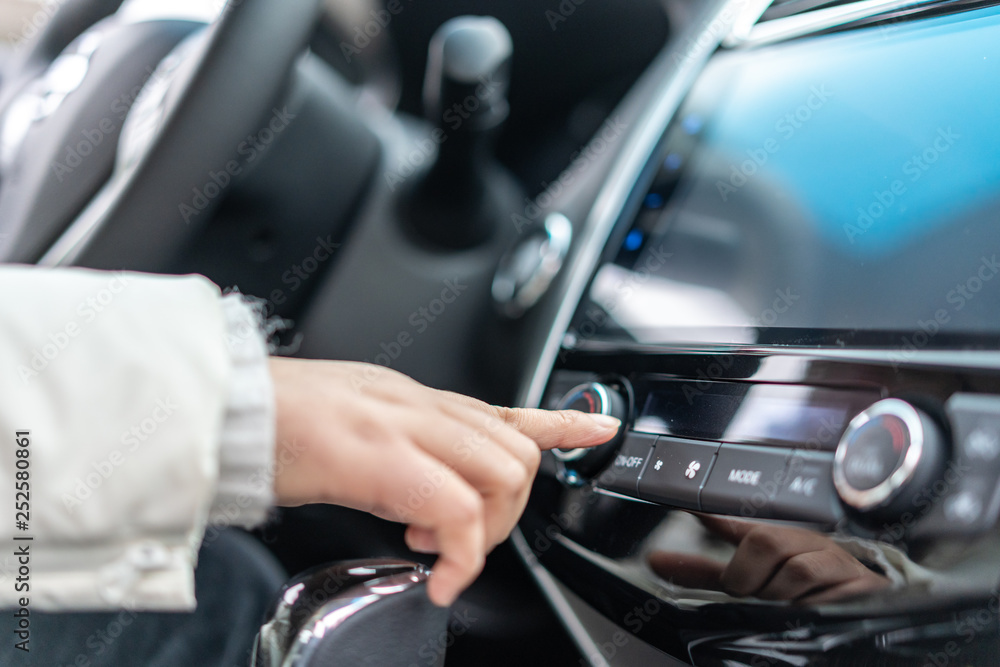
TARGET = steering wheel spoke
x,y
205,89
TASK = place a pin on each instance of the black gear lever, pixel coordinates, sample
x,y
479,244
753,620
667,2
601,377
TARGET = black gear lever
x,y
468,74
465,194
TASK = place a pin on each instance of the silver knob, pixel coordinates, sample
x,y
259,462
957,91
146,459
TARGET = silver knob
x,y
887,455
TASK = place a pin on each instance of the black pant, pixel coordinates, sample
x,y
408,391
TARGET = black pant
x,y
236,581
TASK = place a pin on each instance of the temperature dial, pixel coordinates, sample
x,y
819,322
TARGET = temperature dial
x,y
887,456
594,398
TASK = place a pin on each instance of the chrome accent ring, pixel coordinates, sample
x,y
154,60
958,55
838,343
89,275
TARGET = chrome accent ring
x,y
888,489
567,456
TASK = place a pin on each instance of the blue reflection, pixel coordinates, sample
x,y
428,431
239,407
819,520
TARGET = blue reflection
x,y
882,137
653,200
633,241
693,123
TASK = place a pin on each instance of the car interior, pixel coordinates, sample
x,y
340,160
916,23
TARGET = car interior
x,y
762,233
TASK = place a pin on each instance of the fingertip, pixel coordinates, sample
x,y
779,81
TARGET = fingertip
x,y
441,592
421,541
606,422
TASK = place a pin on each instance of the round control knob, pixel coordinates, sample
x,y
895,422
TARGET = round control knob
x,y
887,456
593,398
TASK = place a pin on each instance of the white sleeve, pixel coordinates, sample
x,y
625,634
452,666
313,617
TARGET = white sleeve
x,y
246,471
126,383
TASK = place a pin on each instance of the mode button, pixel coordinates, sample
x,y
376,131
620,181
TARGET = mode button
x,y
745,481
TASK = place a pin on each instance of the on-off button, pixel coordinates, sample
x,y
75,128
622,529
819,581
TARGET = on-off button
x,y
622,476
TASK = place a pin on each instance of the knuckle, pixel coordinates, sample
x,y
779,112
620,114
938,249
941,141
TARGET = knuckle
x,y
478,563
533,459
804,568
514,417
565,418
760,540
467,508
516,478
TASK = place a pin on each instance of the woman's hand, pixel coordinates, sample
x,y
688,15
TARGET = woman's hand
x,y
771,563
457,470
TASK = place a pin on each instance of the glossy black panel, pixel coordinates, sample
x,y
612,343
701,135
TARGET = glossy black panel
x,y
782,415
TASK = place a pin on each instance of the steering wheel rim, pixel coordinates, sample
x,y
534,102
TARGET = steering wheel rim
x,y
224,91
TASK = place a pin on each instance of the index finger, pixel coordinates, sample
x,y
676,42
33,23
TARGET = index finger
x,y
562,429
550,429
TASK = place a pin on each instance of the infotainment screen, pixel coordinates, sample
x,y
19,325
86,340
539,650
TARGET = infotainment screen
x,y
842,191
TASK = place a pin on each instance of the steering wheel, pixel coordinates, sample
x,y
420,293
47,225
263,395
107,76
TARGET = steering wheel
x,y
114,143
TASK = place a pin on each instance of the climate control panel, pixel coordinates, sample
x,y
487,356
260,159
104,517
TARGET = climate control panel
x,y
795,453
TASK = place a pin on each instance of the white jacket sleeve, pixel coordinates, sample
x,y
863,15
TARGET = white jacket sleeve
x,y
130,386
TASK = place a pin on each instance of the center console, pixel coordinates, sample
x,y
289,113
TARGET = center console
x,y
793,311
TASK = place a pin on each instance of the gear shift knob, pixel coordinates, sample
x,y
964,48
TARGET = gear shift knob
x,y
464,196
468,73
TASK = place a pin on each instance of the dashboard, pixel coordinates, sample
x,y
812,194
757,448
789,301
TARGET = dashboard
x,y
786,292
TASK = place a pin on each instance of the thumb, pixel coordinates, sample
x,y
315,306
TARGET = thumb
x,y
564,429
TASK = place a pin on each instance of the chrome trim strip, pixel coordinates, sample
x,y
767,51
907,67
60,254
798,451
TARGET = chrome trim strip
x,y
746,21
679,72
971,359
621,496
560,605
816,20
